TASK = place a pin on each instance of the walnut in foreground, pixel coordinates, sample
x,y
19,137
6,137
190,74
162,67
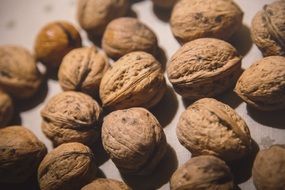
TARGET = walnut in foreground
x,y
106,184
6,108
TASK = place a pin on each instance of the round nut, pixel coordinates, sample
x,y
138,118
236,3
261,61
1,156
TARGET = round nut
x,y
202,172
125,35
209,127
106,184
6,109
269,168
204,67
71,117
19,75
267,29
20,154
54,41
82,70
166,4
69,166
205,18
262,84
134,140
133,76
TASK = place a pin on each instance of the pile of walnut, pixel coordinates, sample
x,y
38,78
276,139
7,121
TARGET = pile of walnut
x,y
204,67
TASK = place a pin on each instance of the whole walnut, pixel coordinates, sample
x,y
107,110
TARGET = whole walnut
x,y
20,154
69,166
164,3
6,109
209,127
268,170
125,35
134,140
205,18
54,41
19,75
135,80
267,29
71,117
106,184
94,15
262,84
202,172
204,67
82,70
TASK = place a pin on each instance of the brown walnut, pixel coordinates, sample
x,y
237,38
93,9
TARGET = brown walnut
x,y
106,184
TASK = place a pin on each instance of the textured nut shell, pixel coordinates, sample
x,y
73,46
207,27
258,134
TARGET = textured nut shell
x,y
19,75
262,84
164,3
213,128
20,154
205,18
106,184
133,76
125,35
204,67
69,166
82,70
6,109
54,41
134,140
267,29
202,172
71,117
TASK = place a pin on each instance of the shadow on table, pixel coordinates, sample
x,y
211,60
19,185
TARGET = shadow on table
x,y
162,13
230,98
100,154
161,57
30,184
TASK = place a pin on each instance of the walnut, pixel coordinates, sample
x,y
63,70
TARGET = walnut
x,y
202,172
267,29
71,117
125,35
69,166
20,154
135,80
6,109
209,127
106,184
205,18
134,140
164,3
204,67
54,41
82,70
262,84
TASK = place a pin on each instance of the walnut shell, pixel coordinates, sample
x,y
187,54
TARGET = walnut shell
x,y
209,127
19,75
204,67
106,184
82,70
164,3
54,41
71,117
267,29
134,140
6,109
133,76
202,172
69,166
205,18
20,154
262,84
125,35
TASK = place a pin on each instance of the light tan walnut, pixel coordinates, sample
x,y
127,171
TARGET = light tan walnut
x,y
20,154
71,117
262,84
69,166
134,140
6,109
205,18
209,127
164,3
135,80
106,184
204,67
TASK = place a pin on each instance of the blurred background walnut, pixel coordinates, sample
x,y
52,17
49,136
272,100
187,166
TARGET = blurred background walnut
x,y
6,109
166,4
106,184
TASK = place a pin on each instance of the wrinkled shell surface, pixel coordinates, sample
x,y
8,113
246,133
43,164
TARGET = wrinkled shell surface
x,y
202,172
209,127
262,84
125,35
133,76
71,117
20,154
19,75
205,18
69,166
205,67
106,184
267,29
164,3
6,109
134,140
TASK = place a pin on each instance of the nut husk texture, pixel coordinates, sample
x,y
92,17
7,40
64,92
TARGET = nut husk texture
x,y
106,184
6,109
